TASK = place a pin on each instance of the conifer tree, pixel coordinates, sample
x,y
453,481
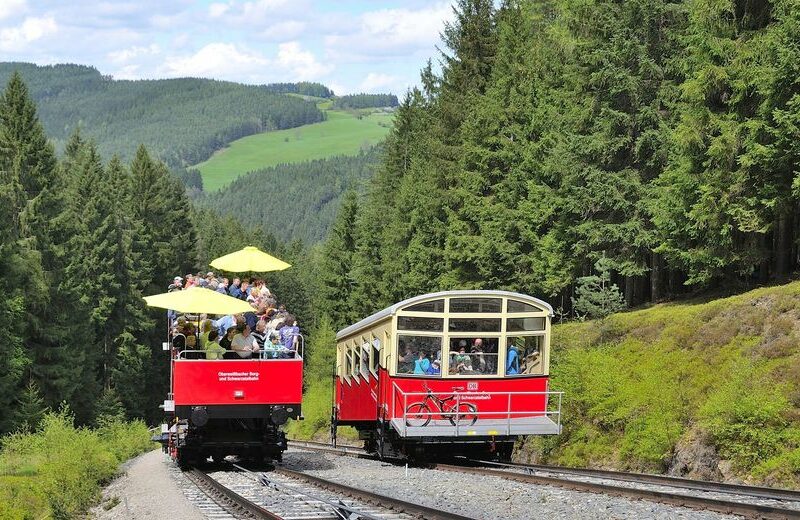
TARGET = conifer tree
x,y
336,282
30,408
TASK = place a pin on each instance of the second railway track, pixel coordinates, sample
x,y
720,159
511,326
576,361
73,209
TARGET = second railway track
x,y
747,501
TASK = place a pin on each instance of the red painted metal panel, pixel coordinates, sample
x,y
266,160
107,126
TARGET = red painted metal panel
x,y
238,382
357,399
475,391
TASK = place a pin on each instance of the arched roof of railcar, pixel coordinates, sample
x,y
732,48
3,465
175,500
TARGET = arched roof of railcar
x,y
388,311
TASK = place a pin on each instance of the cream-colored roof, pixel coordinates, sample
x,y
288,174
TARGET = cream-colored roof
x,y
389,311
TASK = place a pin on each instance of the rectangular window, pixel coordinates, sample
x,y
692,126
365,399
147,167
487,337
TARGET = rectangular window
x,y
365,348
518,306
473,356
475,305
523,324
524,356
432,306
419,355
419,323
474,324
348,361
375,358
356,360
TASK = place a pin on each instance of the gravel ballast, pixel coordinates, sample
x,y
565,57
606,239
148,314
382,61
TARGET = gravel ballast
x,y
481,497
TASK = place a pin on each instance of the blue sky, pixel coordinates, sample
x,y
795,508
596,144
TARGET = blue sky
x,y
351,46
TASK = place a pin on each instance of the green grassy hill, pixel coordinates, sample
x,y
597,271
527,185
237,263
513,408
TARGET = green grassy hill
x,y
343,133
709,390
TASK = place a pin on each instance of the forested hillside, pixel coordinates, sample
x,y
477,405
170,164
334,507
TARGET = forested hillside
x,y
181,121
356,101
294,201
660,136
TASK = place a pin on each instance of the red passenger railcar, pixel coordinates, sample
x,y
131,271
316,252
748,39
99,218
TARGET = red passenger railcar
x,y
457,372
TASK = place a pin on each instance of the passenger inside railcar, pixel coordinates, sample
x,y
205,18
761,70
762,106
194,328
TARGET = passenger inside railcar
x,y
213,349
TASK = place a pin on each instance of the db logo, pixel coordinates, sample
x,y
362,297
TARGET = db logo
x,y
473,385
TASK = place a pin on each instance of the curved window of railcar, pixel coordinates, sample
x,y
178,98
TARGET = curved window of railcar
x,y
525,324
431,306
524,355
473,356
420,323
375,358
419,355
518,306
474,325
481,305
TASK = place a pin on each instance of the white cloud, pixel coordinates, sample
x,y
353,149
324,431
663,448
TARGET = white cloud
x,y
31,29
10,8
392,32
217,10
218,60
376,81
301,64
126,55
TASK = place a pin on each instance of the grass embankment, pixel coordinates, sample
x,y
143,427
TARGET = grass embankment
x,y
343,133
711,390
57,471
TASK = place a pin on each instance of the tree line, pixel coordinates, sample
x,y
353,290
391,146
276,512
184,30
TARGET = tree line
x,y
181,121
303,88
81,241
660,137
356,101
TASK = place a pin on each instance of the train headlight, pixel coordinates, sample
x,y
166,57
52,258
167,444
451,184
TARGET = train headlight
x,y
279,415
199,416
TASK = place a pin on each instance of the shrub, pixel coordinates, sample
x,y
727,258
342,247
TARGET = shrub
x,y
57,470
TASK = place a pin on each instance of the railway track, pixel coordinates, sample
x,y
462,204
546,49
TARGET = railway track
x,y
747,501
283,494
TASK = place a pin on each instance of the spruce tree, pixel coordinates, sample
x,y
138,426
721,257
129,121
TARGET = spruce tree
x,y
336,282
30,408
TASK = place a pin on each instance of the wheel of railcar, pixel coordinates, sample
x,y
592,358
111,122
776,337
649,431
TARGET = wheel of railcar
x,y
418,415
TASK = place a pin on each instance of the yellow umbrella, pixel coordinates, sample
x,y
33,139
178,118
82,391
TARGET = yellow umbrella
x,y
198,300
249,259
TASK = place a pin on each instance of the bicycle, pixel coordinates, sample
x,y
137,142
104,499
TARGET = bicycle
x,y
420,413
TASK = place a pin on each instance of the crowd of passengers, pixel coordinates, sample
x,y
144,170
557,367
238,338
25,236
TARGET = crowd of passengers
x,y
266,332
476,361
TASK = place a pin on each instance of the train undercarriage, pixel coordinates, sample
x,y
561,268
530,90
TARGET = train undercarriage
x,y
250,432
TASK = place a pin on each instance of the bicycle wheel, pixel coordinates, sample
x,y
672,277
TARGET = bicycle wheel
x,y
418,414
467,414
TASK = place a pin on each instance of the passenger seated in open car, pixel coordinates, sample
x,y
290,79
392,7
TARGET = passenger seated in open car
x,y
213,349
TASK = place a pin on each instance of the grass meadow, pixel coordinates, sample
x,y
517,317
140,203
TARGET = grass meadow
x,y
343,133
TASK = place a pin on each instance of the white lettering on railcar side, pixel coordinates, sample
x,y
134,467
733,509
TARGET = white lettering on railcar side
x,y
238,376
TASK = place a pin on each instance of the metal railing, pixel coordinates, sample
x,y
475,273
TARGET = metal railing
x,y
261,355
459,398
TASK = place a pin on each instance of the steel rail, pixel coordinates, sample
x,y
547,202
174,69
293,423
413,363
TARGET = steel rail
x,y
229,499
395,504
693,502
663,480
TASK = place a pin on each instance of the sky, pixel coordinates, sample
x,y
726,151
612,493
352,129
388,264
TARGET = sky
x,y
350,46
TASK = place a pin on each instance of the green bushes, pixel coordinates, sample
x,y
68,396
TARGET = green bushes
x,y
58,470
639,385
